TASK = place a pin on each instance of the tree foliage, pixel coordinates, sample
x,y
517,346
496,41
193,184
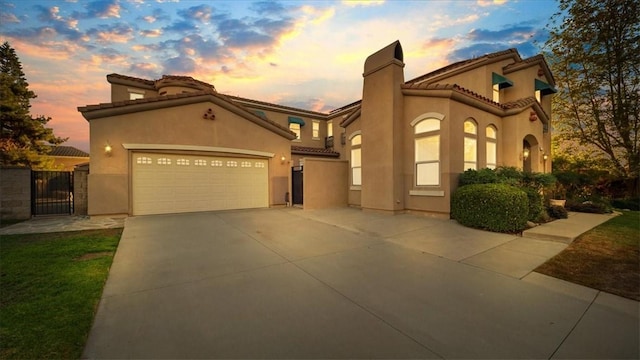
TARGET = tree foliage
x,y
24,139
595,57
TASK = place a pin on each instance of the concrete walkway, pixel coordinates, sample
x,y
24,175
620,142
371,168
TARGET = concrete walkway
x,y
342,283
49,224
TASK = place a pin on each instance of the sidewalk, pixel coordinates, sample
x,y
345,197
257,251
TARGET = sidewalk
x,y
567,230
49,224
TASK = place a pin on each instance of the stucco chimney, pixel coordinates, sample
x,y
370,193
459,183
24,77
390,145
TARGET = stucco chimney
x,y
382,139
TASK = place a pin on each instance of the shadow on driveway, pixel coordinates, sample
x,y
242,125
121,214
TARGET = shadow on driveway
x,y
288,283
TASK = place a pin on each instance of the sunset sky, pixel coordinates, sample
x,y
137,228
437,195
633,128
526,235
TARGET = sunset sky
x,y
307,54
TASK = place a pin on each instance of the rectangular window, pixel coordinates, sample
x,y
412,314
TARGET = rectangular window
x,y
356,167
135,96
427,155
491,155
330,128
428,174
316,129
296,129
496,93
470,153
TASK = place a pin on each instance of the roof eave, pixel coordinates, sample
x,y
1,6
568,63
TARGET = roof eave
x,y
93,112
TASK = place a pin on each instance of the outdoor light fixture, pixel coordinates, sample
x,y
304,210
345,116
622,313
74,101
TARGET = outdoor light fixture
x,y
545,157
525,153
282,159
107,149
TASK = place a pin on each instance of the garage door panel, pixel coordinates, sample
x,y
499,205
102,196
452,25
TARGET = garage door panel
x,y
169,183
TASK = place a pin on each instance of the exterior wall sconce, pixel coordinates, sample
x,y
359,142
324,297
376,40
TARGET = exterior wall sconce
x,y
107,149
282,159
525,153
545,157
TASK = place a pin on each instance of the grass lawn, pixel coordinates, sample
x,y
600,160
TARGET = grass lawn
x,y
606,258
50,287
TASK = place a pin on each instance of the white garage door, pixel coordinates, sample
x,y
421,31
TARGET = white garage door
x,y
169,183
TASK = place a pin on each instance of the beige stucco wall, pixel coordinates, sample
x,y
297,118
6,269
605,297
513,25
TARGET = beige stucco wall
x,y
516,129
306,131
109,180
382,136
325,183
121,92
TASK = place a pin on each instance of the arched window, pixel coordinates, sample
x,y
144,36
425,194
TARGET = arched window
x,y
470,145
356,160
427,152
492,147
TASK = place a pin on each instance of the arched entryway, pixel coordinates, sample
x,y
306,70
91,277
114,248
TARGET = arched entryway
x,y
530,154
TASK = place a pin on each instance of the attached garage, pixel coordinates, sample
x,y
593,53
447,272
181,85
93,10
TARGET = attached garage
x,y
183,147
174,183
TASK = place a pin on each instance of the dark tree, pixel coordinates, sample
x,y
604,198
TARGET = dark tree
x,y
24,139
595,57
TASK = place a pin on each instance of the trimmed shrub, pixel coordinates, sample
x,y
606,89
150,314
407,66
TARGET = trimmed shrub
x,y
557,212
588,207
482,176
630,204
536,203
493,207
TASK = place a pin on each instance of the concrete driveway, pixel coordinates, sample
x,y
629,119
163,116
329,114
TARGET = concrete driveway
x,y
288,283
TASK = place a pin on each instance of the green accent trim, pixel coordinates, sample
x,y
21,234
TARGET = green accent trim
x,y
260,113
501,80
296,120
544,88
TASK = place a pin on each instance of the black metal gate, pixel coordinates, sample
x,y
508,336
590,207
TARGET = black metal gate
x,y
296,185
51,192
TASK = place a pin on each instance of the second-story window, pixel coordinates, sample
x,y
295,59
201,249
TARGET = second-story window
x,y
499,82
296,129
135,95
315,129
542,88
330,128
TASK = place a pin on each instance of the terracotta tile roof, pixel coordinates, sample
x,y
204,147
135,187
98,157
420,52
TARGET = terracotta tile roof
x,y
131,78
520,103
463,63
304,150
163,98
186,79
346,107
283,107
145,100
67,151
453,87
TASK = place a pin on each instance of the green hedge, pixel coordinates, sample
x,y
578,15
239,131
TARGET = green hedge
x,y
493,207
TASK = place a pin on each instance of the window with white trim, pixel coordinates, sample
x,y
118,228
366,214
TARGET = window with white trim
x,y
427,152
492,146
356,160
330,128
470,145
315,129
296,129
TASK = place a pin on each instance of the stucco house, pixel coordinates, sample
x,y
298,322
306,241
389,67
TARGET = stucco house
x,y
178,145
66,158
